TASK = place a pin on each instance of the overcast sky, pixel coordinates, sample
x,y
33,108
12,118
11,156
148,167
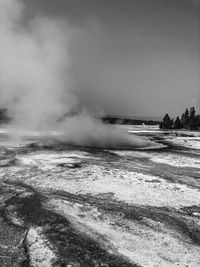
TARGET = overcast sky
x,y
133,57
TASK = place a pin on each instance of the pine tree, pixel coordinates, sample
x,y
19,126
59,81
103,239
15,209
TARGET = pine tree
x,y
183,120
187,118
193,119
192,112
198,120
177,123
166,123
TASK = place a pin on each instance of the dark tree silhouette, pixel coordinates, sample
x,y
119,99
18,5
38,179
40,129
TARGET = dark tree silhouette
x,y
189,120
198,120
4,117
166,123
192,112
185,118
193,119
177,123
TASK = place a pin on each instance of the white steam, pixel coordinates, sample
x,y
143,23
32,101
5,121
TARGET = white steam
x,y
84,130
33,66
34,80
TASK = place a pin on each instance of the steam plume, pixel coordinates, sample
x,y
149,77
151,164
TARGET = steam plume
x,y
33,66
34,84
84,130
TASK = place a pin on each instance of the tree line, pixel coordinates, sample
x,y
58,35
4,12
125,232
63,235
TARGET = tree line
x,y
188,120
4,117
124,121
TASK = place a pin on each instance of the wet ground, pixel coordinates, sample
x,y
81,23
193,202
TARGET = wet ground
x,y
82,207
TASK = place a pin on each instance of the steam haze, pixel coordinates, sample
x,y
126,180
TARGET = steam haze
x,y
137,58
132,57
35,83
33,66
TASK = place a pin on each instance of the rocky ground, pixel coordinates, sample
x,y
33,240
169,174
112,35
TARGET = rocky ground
x,y
64,206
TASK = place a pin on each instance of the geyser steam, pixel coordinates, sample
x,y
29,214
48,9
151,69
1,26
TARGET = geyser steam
x,y
34,80
84,130
33,66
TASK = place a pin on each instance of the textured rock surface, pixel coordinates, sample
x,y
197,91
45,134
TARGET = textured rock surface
x,y
62,206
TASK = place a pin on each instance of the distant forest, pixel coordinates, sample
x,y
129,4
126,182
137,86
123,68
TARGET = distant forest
x,y
128,121
4,117
188,120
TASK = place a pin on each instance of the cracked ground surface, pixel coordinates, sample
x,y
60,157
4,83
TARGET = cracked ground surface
x,y
64,206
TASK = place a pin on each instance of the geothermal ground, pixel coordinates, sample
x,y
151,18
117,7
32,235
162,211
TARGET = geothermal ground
x,y
82,207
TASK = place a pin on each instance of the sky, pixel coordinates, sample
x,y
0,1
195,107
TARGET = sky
x,y
130,57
